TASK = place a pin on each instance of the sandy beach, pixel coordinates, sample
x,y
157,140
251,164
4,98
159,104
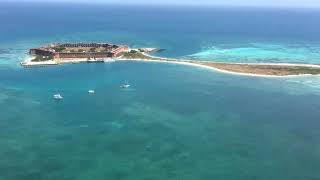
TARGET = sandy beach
x,y
201,65
244,69
215,69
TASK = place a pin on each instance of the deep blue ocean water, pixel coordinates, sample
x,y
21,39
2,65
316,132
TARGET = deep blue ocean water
x,y
175,121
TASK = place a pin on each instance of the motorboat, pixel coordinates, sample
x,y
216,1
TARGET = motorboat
x,y
94,60
101,60
91,60
91,91
107,60
57,97
125,85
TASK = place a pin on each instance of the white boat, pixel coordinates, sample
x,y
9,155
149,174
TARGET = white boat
x,y
93,60
57,96
109,60
91,91
125,85
100,60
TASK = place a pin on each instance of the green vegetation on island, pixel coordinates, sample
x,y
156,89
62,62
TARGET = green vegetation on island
x,y
41,58
134,54
301,70
262,69
59,48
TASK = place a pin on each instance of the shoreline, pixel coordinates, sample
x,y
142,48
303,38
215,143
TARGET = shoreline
x,y
197,63
239,63
217,69
253,69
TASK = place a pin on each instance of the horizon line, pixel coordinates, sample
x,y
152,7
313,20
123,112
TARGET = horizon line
x,y
166,4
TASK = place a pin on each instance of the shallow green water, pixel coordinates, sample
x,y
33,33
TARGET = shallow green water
x,y
175,122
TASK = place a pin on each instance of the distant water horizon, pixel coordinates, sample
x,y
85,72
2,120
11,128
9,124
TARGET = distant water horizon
x,y
221,34
174,122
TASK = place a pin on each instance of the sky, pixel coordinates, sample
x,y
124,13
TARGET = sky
x,y
259,3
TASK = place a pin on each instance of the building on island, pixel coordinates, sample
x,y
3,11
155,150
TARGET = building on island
x,y
79,50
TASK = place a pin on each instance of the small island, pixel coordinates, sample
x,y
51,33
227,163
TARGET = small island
x,y
74,52
55,54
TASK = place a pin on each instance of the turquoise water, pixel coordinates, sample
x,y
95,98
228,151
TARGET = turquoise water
x,y
221,34
261,52
175,121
